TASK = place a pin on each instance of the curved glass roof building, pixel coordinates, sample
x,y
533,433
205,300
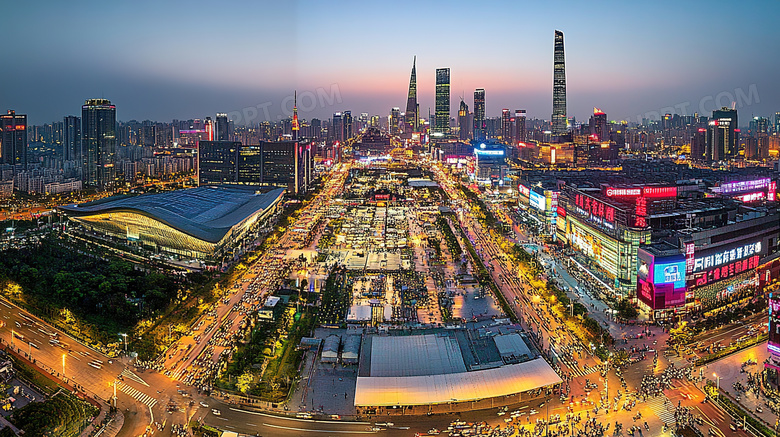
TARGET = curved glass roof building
x,y
202,222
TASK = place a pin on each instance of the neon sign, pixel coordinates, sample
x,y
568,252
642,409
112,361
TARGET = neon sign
x,y
727,271
660,191
611,192
524,190
736,187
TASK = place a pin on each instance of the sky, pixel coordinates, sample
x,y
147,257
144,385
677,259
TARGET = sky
x,y
180,60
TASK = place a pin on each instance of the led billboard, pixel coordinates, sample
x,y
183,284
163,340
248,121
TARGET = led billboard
x,y
670,273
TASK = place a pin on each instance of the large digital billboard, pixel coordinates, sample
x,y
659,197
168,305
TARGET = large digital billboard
x,y
670,273
774,324
538,201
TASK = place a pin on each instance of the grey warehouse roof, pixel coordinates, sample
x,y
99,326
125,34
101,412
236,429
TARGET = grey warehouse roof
x,y
207,213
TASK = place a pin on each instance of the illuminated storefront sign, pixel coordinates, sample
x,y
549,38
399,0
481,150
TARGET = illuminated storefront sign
x,y
736,187
752,197
690,260
726,256
561,212
659,192
537,200
727,271
489,152
524,190
611,192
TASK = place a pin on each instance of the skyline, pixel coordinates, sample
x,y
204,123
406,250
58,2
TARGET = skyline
x,y
186,61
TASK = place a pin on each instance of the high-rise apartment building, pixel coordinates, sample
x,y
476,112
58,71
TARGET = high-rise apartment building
x,y
337,127
442,122
13,139
71,139
347,123
98,142
559,122
506,126
480,126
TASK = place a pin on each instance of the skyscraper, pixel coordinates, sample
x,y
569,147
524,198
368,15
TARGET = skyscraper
x,y
347,120
463,121
479,115
598,125
98,141
506,126
222,127
442,125
722,139
559,87
337,127
520,134
71,141
395,115
13,138
412,116
777,123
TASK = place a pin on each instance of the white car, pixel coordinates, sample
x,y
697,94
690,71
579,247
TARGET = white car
x,y
216,412
204,405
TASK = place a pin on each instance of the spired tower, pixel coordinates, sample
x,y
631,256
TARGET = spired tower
x,y
412,116
559,121
295,126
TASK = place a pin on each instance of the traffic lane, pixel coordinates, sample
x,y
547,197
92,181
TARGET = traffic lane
x,y
78,357
252,422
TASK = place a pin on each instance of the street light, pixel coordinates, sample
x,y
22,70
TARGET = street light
x,y
63,365
718,381
125,337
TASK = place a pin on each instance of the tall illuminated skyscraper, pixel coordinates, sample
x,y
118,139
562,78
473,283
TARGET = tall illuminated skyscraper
x,y
347,121
463,120
442,125
559,87
520,125
98,141
13,137
412,116
480,126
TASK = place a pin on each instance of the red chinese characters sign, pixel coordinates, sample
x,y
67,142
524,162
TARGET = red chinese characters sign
x,y
727,271
595,208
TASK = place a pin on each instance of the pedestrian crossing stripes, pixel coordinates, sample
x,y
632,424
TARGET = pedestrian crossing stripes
x,y
129,374
137,395
660,407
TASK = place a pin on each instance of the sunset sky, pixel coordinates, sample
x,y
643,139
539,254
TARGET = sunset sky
x,y
180,60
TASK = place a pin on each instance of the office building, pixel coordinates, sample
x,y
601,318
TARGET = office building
x,y
13,138
222,127
412,115
463,121
218,162
480,127
442,121
71,138
559,122
98,142
722,141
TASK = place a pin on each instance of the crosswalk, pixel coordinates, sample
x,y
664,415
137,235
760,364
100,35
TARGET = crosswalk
x,y
661,409
127,373
137,395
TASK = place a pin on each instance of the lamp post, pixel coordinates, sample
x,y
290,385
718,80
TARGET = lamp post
x,y
717,378
63,365
125,338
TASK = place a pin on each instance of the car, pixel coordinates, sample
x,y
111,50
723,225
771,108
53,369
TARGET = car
x,y
532,412
732,427
759,410
203,404
216,412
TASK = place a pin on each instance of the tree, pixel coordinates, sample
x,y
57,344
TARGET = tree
x,y
244,382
